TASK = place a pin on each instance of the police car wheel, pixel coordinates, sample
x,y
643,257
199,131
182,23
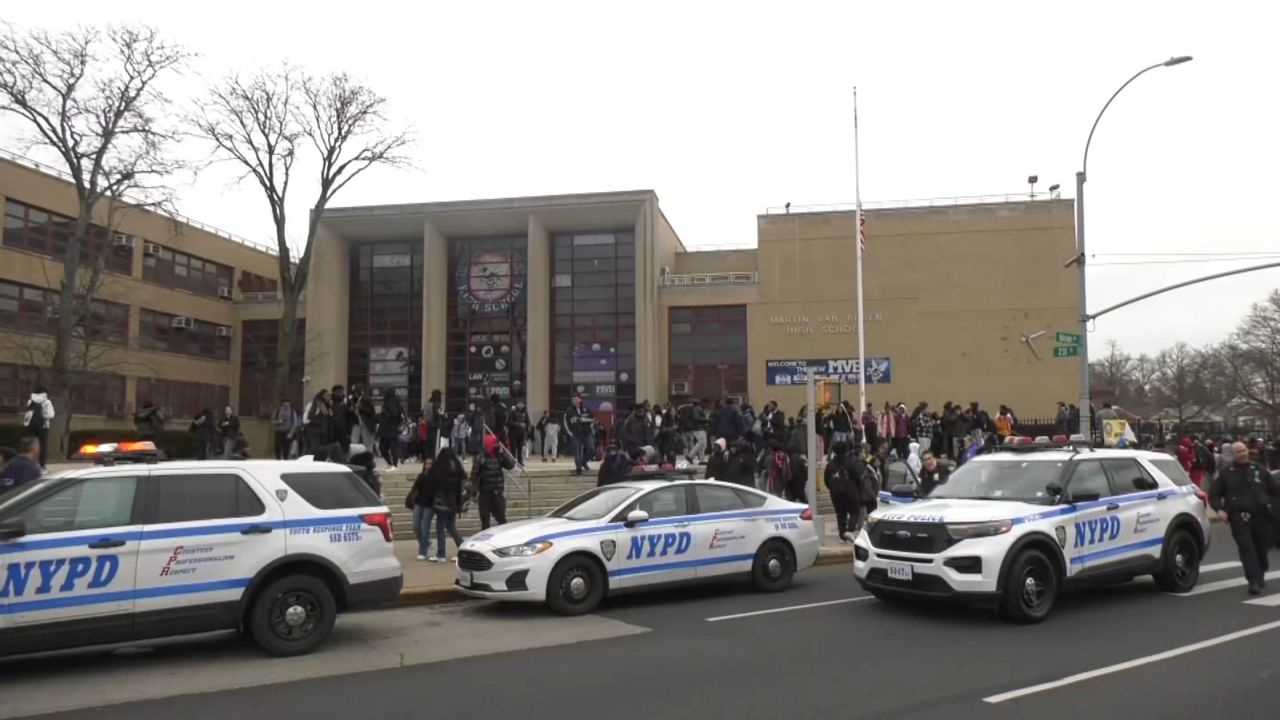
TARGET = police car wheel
x,y
774,567
1030,588
575,587
1181,561
293,615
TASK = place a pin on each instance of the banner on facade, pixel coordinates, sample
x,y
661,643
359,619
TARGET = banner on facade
x,y
796,372
490,281
595,375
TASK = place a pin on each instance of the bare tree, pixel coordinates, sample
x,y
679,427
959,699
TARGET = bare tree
x,y
262,123
1250,359
90,96
1179,382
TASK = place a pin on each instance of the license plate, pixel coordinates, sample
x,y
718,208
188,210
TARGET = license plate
x,y
465,578
900,572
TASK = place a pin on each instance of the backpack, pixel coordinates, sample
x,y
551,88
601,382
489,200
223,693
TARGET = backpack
x,y
779,471
36,422
867,490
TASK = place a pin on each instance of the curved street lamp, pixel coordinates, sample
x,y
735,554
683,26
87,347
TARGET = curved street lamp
x,y
1086,414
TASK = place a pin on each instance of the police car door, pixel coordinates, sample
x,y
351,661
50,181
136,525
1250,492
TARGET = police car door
x,y
77,559
1142,516
727,540
207,532
1094,529
660,550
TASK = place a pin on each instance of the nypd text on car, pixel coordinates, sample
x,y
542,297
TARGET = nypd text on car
x,y
640,534
1017,526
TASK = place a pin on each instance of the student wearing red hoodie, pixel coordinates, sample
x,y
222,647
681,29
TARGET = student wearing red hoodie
x,y
1186,458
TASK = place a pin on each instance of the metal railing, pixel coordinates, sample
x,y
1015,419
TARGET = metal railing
x,y
259,297
917,203
64,175
710,279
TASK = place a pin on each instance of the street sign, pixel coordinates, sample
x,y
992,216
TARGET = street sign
x,y
1066,351
1067,339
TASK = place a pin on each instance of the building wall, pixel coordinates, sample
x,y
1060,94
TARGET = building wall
x,y
31,187
948,293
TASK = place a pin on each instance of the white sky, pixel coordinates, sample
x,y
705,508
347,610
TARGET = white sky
x,y
726,109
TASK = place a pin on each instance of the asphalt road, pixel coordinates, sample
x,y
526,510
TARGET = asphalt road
x,y
819,650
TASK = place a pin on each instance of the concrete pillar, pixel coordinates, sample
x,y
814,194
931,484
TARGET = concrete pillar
x,y
537,375
435,311
647,371
328,303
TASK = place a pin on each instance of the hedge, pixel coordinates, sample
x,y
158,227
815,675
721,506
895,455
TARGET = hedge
x,y
176,444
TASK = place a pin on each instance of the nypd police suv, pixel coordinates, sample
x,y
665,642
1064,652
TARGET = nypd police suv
x,y
639,534
116,554
1017,526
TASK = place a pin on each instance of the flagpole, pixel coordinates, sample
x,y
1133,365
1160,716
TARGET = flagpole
x,y
857,242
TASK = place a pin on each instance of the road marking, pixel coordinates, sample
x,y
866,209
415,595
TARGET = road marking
x,y
1138,662
1223,585
789,609
1214,567
1268,601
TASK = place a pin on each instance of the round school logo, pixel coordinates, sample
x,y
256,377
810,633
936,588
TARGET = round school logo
x,y
490,281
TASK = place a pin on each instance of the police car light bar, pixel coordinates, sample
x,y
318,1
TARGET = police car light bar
x,y
110,452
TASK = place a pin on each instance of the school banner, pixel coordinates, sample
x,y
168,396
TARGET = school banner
x,y
879,371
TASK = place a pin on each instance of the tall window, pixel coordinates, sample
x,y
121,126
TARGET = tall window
x,y
594,318
175,269
487,320
35,310
179,399
156,331
30,228
708,348
258,342
385,331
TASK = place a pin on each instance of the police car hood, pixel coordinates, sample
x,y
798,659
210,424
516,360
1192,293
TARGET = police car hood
x,y
957,511
523,531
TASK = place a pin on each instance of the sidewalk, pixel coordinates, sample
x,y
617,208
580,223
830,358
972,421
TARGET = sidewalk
x,y
428,582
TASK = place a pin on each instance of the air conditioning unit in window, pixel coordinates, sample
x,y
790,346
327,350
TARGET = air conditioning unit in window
x,y
223,331
183,323
151,249
224,293
679,388
123,241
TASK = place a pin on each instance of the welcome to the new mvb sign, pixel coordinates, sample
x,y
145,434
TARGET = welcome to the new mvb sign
x,y
796,372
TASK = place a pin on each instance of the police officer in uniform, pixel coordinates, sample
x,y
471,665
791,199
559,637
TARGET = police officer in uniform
x,y
1243,495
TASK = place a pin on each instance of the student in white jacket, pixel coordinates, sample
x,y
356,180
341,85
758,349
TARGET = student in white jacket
x,y
37,418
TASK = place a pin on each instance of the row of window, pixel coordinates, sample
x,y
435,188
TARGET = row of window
x,y
159,331
30,228
259,340
105,394
708,351
35,310
181,399
175,269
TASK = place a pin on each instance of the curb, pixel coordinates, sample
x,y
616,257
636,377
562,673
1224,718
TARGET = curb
x,y
444,595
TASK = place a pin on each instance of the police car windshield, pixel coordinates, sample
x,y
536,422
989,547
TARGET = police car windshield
x,y
1014,480
595,504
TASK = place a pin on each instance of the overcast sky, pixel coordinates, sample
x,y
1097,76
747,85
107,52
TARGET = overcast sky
x,y
727,109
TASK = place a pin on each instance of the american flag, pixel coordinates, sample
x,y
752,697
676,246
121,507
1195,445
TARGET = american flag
x,y
862,230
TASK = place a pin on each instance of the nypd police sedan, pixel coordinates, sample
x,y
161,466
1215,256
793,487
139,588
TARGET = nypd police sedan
x,y
640,534
1014,528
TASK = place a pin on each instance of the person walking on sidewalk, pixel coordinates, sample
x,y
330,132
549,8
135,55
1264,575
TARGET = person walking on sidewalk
x,y
1245,497
444,484
490,483
285,423
419,500
36,420
841,478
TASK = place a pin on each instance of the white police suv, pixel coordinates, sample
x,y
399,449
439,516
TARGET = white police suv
x,y
640,534
1017,526
117,554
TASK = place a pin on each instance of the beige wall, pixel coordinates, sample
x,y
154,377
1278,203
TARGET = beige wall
x,y
538,314
715,261
329,298
949,291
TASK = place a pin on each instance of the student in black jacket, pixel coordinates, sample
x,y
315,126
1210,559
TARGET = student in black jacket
x,y
444,483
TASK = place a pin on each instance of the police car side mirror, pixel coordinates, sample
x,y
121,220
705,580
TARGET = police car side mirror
x,y
1054,490
635,517
903,491
12,528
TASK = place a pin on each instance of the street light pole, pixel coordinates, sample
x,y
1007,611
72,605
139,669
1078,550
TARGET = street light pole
x,y
1086,407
